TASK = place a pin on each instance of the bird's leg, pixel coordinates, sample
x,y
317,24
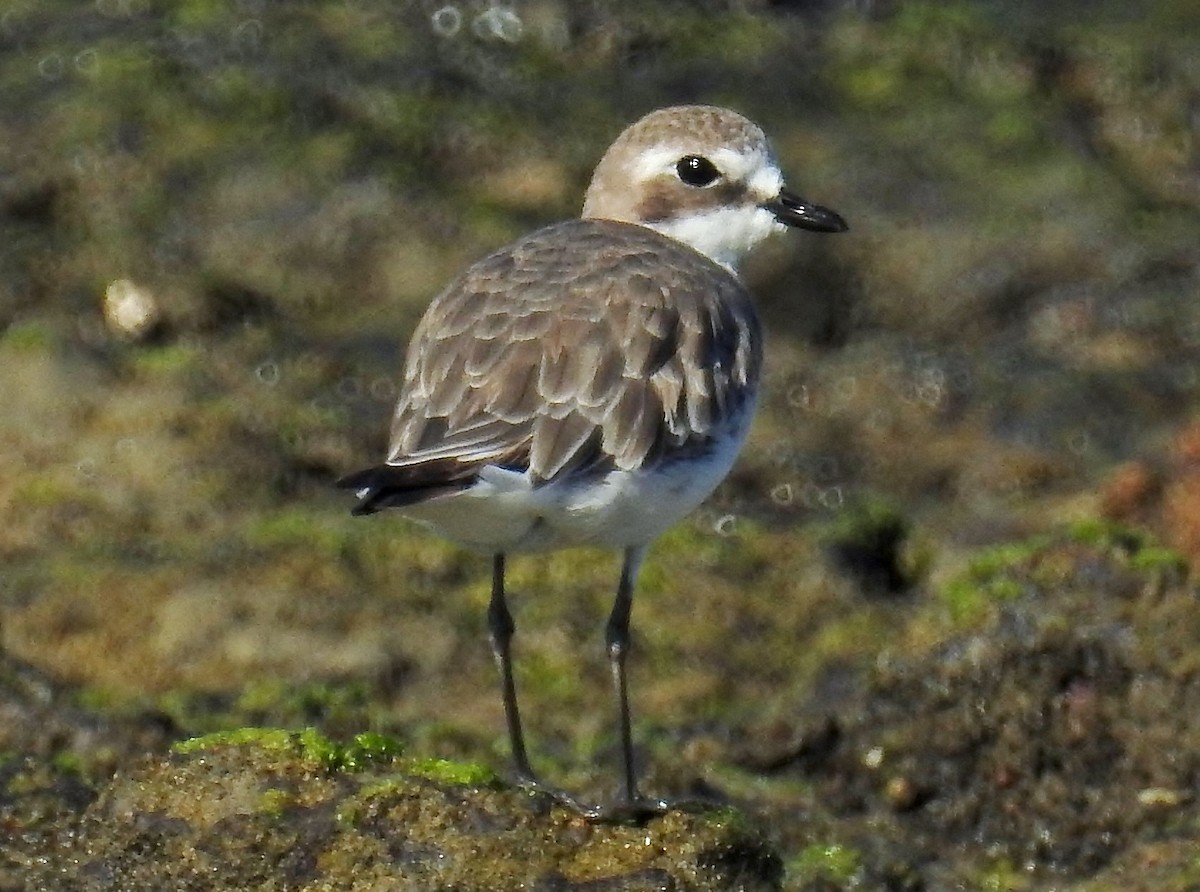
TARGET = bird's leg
x,y
500,629
616,638
632,804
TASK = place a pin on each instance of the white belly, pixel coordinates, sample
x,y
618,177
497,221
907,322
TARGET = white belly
x,y
503,512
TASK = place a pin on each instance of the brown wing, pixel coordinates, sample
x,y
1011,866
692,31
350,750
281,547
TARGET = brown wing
x,y
525,363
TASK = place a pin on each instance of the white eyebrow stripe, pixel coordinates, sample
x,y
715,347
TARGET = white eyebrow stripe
x,y
734,165
661,159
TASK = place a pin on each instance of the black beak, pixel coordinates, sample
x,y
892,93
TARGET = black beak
x,y
795,211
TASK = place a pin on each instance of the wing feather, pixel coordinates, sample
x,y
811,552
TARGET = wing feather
x,y
525,363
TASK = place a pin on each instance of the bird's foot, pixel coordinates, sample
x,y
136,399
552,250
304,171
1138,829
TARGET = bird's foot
x,y
626,810
638,808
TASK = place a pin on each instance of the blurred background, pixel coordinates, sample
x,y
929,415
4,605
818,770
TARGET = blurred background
x,y
221,219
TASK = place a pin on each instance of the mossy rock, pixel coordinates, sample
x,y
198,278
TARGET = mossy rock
x,y
268,809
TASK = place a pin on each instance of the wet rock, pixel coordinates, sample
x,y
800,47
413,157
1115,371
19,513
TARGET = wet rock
x,y
255,810
51,753
1031,735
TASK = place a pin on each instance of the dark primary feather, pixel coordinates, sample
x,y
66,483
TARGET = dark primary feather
x,y
524,363
385,486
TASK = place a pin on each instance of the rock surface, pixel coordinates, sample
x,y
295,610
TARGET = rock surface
x,y
269,810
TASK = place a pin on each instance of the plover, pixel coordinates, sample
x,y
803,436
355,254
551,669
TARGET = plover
x,y
592,383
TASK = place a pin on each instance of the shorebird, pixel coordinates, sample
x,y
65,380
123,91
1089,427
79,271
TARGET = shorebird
x,y
592,383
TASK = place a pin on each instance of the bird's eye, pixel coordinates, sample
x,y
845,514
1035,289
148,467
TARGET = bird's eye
x,y
696,170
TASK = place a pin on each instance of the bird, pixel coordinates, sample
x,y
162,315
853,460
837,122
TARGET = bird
x,y
591,383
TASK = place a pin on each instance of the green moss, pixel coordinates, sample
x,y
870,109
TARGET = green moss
x,y
1003,877
268,702
1190,875
871,85
95,699
445,771
275,802
1159,558
238,88
753,786
1010,128
370,748
829,863
999,559
1107,534
27,336
365,750
198,14
67,762
738,37
844,637
309,744
702,547
919,56
294,704
727,817
993,575
1016,569
401,785
967,598
166,359
261,696
363,35
297,527
271,739
48,490
552,673
319,749
734,548
1138,546
192,714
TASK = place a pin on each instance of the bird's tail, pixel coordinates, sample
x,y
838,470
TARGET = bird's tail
x,y
394,486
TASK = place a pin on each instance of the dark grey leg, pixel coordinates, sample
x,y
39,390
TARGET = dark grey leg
x,y
616,637
501,628
632,805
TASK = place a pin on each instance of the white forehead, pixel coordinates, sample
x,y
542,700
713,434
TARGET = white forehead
x,y
754,165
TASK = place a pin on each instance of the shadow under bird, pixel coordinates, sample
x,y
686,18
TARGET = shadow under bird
x,y
592,383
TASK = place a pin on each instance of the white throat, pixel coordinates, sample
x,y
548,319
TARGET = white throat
x,y
725,234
